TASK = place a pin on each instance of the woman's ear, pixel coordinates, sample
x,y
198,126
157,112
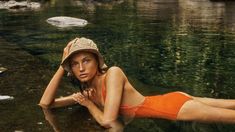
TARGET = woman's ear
x,y
69,74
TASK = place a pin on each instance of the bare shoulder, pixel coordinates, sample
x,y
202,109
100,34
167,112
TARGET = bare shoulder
x,y
115,71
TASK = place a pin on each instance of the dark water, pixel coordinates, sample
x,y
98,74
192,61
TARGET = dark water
x,y
162,45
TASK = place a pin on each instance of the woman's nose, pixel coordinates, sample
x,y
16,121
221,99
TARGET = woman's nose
x,y
81,68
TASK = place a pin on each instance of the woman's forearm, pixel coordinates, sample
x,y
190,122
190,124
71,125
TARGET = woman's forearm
x,y
50,91
95,112
63,101
99,116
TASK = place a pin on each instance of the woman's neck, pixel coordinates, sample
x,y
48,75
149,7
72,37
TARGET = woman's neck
x,y
95,81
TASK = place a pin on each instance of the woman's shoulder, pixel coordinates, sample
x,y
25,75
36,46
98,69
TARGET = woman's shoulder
x,y
115,70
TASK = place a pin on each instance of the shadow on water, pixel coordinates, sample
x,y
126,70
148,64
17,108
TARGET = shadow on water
x,y
162,45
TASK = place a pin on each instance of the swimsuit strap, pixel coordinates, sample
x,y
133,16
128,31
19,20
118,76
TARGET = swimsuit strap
x,y
104,88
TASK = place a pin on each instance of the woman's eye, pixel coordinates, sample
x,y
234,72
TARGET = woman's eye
x,y
74,64
86,61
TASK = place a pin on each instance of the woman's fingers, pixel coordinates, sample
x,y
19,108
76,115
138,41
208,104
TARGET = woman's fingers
x,y
71,42
67,47
66,50
89,93
81,99
85,93
78,97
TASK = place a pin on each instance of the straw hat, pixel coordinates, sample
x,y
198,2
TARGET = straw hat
x,y
83,44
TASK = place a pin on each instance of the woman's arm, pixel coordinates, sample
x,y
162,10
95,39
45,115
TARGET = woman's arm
x,y
111,123
49,93
48,99
115,80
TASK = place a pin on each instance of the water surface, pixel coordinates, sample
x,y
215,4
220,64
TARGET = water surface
x,y
162,45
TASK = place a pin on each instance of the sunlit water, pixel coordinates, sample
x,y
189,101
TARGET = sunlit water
x,y
162,45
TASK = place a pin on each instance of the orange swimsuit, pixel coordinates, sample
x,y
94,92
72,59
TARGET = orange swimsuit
x,y
164,106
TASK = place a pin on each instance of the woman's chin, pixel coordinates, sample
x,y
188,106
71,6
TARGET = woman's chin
x,y
84,79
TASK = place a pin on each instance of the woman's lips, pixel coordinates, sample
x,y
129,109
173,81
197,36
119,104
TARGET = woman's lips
x,y
83,75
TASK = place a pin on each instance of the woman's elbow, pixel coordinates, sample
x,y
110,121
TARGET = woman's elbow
x,y
106,123
44,106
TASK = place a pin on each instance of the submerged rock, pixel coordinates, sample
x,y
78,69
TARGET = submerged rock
x,y
6,97
2,69
63,21
14,5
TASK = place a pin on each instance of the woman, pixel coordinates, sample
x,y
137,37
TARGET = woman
x,y
108,92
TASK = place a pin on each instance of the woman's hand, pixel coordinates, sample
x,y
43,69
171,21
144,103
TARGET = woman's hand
x,y
66,49
82,99
89,93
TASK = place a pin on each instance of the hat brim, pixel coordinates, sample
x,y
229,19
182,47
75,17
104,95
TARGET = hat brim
x,y
65,63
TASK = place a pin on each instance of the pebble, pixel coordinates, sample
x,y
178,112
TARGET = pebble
x,y
6,97
39,123
2,69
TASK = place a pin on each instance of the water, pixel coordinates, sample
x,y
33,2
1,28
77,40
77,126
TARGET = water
x,y
162,45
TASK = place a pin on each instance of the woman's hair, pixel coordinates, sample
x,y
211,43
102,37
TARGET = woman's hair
x,y
97,60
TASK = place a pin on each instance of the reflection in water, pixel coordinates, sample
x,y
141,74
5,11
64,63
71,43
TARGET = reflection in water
x,y
80,125
163,45
71,119
50,117
91,6
206,16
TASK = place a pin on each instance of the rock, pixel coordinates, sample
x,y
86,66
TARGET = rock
x,y
63,21
34,5
2,69
6,97
12,4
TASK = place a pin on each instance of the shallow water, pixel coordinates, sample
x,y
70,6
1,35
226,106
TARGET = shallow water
x,y
162,45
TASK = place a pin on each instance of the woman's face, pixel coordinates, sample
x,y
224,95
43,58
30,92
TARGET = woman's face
x,y
84,66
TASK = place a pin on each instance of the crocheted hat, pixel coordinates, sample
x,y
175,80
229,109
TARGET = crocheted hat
x,y
83,44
